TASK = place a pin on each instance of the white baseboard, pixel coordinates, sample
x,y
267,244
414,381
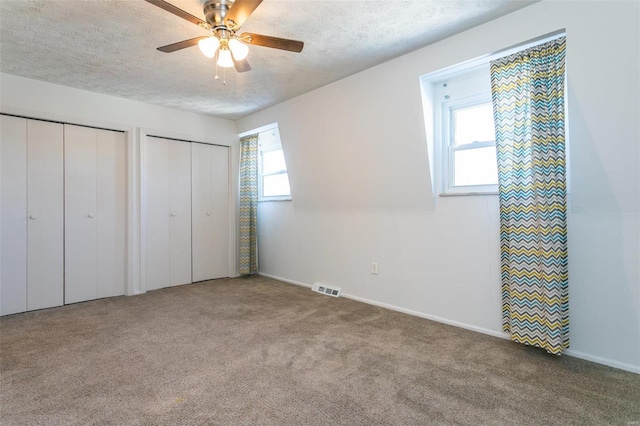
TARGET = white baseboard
x,y
569,352
285,280
482,330
604,361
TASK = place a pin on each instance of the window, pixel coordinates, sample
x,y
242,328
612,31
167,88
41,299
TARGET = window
x,y
458,116
461,119
273,179
470,146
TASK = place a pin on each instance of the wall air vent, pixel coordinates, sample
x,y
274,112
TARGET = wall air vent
x,y
324,289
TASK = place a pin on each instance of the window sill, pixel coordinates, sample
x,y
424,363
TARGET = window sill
x,y
268,200
465,194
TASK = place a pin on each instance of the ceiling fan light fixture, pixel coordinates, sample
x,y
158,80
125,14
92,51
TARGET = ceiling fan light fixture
x,y
224,18
238,49
224,58
208,46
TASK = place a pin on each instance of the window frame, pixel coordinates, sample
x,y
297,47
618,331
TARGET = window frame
x,y
261,175
432,99
448,148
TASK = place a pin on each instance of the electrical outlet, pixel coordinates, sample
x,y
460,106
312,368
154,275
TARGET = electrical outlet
x,y
374,268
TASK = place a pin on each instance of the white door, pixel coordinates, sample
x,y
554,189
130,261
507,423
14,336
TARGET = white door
x,y
157,214
80,209
210,197
168,213
94,213
13,215
111,197
45,211
180,211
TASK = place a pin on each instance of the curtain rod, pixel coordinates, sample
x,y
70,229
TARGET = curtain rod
x,y
448,72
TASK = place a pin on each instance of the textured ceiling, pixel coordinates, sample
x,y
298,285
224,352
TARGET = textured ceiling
x,y
109,46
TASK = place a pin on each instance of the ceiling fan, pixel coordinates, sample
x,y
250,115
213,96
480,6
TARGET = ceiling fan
x,y
224,18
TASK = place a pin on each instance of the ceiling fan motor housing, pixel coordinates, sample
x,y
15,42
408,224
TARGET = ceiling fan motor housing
x,y
215,12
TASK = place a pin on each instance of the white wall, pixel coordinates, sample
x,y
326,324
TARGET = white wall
x,y
37,99
359,171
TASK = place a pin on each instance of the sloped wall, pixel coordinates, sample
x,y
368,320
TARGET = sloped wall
x,y
359,171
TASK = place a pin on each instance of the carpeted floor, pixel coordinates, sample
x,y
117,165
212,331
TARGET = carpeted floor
x,y
255,351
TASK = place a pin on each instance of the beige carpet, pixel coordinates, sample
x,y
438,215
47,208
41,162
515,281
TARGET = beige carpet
x,y
255,351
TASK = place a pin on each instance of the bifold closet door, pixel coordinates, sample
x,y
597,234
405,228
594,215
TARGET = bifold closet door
x,y
94,213
45,210
111,203
168,213
210,211
13,215
32,215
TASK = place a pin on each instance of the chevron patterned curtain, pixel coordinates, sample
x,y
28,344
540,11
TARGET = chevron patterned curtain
x,y
249,204
528,104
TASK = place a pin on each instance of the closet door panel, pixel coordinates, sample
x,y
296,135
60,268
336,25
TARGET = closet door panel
x,y
13,215
210,172
45,199
180,211
202,204
157,214
80,214
111,212
220,210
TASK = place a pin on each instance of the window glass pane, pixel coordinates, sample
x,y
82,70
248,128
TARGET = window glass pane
x,y
475,167
273,161
473,124
275,185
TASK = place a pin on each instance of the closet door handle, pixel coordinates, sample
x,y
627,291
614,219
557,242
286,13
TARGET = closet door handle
x,y
173,215
208,213
90,216
33,216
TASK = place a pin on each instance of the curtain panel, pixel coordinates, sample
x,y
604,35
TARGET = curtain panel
x,y
248,204
528,104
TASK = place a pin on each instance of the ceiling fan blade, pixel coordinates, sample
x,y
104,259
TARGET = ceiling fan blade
x,y
177,11
180,45
274,42
240,11
242,65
